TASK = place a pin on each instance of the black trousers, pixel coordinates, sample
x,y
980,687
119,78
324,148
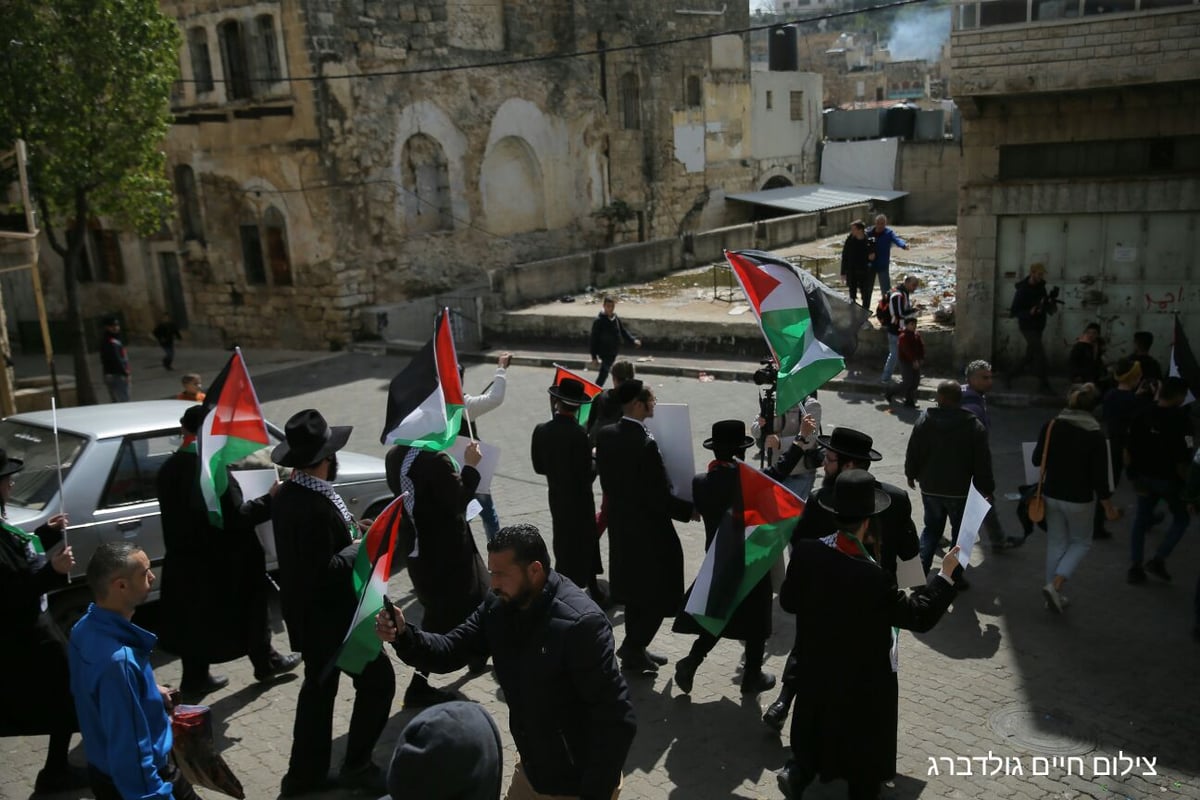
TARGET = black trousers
x,y
755,649
104,789
256,633
641,625
312,733
798,779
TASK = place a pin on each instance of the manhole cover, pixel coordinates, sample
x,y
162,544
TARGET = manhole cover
x,y
1048,732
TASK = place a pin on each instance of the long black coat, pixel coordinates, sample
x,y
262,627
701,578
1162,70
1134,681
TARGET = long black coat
x,y
714,492
645,559
214,579
844,725
895,529
561,451
448,575
34,676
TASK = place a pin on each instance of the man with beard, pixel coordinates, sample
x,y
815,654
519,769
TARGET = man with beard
x,y
645,557
847,449
569,708
317,540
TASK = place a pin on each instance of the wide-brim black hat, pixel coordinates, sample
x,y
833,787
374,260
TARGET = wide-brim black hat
x,y
9,466
309,439
193,418
853,444
728,434
569,390
854,496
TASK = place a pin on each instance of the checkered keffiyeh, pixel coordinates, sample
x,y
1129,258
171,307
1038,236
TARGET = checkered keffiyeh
x,y
326,488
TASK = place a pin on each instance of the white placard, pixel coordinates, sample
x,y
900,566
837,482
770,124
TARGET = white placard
x,y
1032,471
1124,255
671,427
968,531
486,467
255,483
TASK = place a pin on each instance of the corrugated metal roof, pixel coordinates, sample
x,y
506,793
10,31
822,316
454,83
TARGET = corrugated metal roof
x,y
815,197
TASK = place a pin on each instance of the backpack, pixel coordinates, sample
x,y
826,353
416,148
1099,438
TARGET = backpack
x,y
882,312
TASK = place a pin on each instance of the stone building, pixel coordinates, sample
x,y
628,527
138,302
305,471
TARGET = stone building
x,y
328,155
1081,150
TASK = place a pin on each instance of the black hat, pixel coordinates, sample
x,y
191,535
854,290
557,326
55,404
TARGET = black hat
x,y
628,391
193,418
848,442
111,319
728,434
569,390
452,750
8,466
309,439
854,496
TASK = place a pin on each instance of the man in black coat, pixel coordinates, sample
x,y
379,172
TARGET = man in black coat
x,y
317,541
606,409
605,341
215,595
448,575
645,558
847,449
846,608
1031,305
560,450
569,708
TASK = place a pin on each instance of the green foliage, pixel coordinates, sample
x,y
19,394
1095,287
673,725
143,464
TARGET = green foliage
x,y
87,85
618,212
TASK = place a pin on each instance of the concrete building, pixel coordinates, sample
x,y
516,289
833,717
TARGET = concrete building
x,y
1081,150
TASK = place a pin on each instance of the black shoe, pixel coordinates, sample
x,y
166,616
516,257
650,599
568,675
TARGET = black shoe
x,y
638,664
210,684
1101,533
783,779
422,695
757,683
776,714
278,665
910,403
367,778
660,660
1136,574
61,779
889,397
601,598
685,673
294,785
1158,568
477,666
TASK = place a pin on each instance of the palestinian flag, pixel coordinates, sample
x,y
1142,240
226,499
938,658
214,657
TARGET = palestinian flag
x,y
372,568
802,320
233,429
1183,362
589,388
751,537
425,401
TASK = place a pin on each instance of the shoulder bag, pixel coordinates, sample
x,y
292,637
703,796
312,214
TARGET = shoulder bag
x,y
1037,503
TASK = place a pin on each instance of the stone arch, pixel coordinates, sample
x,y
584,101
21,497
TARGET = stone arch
x,y
424,177
514,197
425,118
777,181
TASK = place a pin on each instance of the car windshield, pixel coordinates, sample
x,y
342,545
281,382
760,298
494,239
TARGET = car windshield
x,y
37,483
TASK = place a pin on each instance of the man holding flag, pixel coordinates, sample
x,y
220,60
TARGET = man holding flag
x,y
317,540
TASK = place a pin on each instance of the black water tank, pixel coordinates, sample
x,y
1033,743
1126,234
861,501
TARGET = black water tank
x,y
782,54
900,122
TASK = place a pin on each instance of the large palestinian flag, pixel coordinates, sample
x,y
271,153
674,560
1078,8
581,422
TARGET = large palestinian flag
x,y
589,388
425,401
372,568
1183,362
751,537
808,327
233,429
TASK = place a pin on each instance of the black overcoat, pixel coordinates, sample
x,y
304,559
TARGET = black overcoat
x,y
448,575
213,579
561,451
844,725
645,559
897,534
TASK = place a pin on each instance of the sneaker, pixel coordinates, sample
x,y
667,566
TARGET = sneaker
x,y
1053,598
1136,574
775,715
758,683
1158,568
685,673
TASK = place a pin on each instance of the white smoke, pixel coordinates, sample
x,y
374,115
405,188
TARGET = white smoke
x,y
919,33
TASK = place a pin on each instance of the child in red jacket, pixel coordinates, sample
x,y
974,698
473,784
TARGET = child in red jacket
x,y
911,349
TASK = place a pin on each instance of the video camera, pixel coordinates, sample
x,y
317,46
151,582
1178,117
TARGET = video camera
x,y
1052,297
767,374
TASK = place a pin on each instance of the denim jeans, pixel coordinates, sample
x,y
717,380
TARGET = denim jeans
x,y
893,358
605,365
885,279
937,510
487,513
119,387
1151,490
1068,536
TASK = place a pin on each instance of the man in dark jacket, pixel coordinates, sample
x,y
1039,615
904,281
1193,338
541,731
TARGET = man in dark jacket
x,y
569,709
974,401
645,557
846,608
858,255
560,450
605,341
606,409
114,363
317,540
1085,360
1031,305
215,598
947,452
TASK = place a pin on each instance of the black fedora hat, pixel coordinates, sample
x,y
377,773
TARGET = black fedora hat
x,y
728,434
193,418
854,496
309,439
848,442
569,390
8,466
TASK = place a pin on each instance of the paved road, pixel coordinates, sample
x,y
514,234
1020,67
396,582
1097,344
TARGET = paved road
x,y
1115,676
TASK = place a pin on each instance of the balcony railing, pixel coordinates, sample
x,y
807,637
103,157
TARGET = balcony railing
x,y
988,13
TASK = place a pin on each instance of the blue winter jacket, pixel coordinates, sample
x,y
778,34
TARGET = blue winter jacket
x,y
883,247
124,723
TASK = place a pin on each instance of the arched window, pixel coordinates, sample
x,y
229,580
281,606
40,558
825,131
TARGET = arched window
x,y
267,54
514,198
426,185
233,59
631,102
275,234
252,252
189,203
201,61
693,95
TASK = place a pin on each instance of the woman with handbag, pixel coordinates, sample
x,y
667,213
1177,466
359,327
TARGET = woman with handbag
x,y
1074,474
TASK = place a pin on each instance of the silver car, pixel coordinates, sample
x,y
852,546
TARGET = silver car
x,y
110,458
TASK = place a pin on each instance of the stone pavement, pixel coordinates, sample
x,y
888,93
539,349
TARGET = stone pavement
x,y
1114,677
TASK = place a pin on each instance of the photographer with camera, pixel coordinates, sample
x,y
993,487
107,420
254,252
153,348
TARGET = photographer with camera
x,y
797,426
1031,305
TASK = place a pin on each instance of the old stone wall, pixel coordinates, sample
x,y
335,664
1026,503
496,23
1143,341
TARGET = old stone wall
x,y
928,171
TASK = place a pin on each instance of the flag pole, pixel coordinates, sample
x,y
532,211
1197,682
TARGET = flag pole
x,y
62,500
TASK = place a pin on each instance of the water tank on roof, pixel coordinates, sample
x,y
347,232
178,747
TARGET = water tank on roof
x,y
931,125
900,122
782,53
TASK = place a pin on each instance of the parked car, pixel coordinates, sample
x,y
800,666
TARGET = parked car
x,y
110,456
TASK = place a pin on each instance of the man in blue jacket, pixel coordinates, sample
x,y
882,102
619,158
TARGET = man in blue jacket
x,y
123,712
884,237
